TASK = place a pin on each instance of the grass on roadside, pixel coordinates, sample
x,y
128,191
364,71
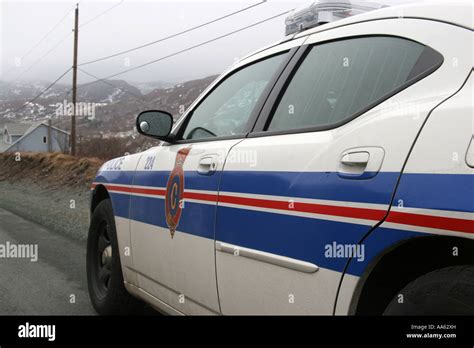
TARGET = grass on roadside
x,y
50,169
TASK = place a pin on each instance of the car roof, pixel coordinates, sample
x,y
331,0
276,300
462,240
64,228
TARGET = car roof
x,y
458,12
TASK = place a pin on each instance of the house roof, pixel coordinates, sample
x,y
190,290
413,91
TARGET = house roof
x,y
18,128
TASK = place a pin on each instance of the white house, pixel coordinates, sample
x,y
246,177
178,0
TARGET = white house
x,y
34,137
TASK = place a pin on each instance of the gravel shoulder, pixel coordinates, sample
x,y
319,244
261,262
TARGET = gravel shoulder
x,y
51,189
64,210
44,201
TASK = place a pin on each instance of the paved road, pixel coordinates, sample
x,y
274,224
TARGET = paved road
x,y
43,287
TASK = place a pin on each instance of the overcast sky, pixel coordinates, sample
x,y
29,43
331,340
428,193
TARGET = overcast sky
x,y
126,24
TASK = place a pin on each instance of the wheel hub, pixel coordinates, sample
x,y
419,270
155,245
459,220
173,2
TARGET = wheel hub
x,y
106,257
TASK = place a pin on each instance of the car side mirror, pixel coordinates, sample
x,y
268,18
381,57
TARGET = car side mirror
x,y
156,124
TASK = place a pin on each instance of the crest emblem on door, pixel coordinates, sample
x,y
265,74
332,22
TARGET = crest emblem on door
x,y
175,191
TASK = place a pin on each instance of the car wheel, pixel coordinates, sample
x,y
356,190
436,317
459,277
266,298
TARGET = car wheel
x,y
447,291
104,274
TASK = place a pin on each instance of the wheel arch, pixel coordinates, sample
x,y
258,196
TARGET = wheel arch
x,y
99,194
402,263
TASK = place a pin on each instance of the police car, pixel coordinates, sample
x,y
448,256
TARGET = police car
x,y
330,173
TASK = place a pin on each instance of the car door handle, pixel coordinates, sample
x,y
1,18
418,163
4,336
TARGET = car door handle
x,y
361,163
207,165
356,159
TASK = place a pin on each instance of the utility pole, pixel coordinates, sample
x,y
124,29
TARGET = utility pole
x,y
74,82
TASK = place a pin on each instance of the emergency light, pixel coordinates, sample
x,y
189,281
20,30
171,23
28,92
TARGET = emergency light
x,y
325,11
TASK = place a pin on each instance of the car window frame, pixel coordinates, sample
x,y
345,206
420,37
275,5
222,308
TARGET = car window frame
x,y
287,76
255,113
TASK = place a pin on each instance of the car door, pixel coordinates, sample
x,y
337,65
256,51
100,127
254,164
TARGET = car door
x,y
326,155
174,193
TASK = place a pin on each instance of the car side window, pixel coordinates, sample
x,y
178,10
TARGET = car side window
x,y
227,109
338,80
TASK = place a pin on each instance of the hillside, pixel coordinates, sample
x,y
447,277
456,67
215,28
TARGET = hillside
x,y
117,103
118,119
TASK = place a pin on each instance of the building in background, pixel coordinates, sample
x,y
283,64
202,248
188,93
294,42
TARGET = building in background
x,y
33,137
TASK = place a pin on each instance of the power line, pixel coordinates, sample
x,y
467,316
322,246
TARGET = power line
x,y
68,92
49,86
41,58
110,84
47,34
100,14
59,42
173,35
44,37
98,79
187,49
43,91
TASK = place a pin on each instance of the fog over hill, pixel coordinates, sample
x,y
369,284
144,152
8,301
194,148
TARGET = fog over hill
x,y
106,108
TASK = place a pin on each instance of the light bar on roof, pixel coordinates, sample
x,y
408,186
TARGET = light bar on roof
x,y
325,11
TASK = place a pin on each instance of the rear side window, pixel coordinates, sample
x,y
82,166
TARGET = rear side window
x,y
339,80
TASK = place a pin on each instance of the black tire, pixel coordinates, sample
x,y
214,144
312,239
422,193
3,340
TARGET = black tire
x,y
107,291
447,291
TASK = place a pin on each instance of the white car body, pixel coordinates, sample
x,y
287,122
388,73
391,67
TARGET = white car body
x,y
255,237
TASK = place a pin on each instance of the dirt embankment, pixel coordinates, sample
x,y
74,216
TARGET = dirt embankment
x,y
51,189
49,169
